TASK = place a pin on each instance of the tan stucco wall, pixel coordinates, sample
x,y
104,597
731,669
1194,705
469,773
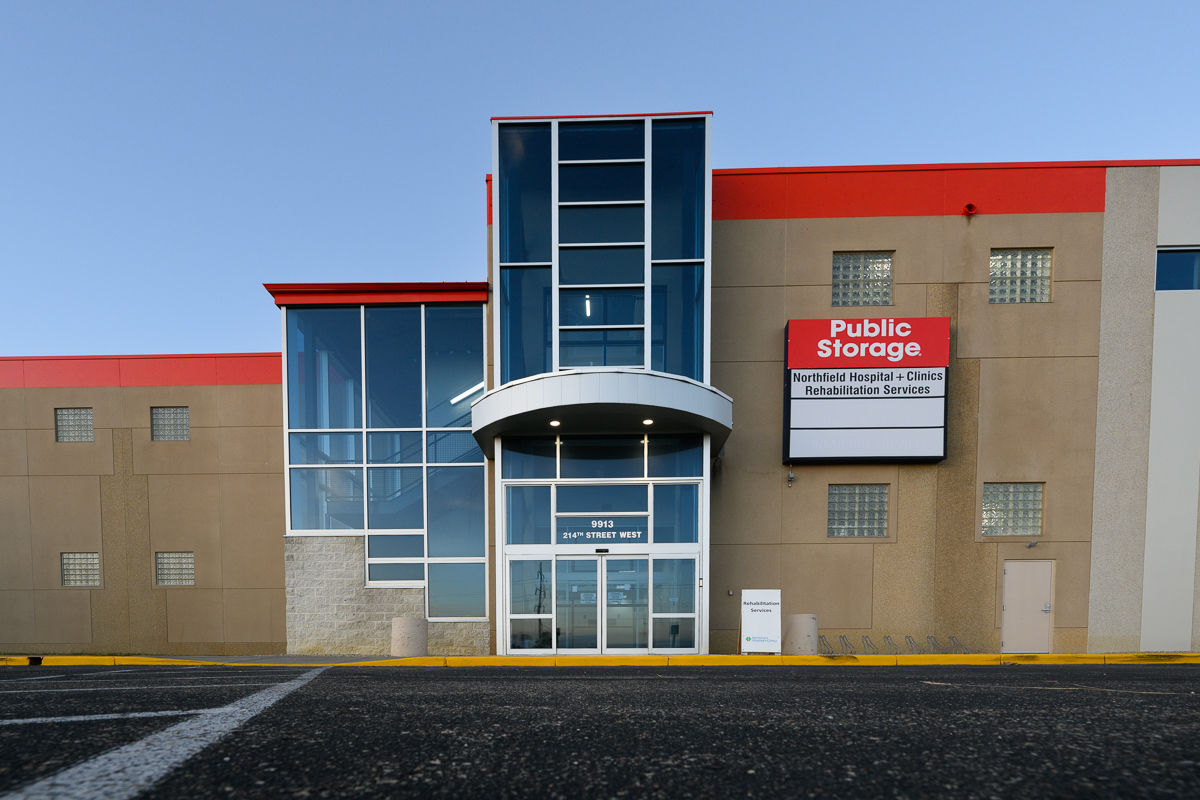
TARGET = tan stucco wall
x,y
219,495
1022,407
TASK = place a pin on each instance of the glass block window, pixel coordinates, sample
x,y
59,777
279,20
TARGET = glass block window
x,y
175,569
73,425
858,510
1020,276
1012,509
862,279
80,569
170,424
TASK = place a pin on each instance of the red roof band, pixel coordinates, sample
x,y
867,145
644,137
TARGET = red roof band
x,y
214,369
313,294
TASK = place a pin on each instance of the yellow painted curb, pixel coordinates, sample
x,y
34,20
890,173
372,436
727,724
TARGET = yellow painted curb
x,y
1152,658
834,661
149,661
14,661
500,661
611,661
412,661
932,660
723,661
1044,658
75,661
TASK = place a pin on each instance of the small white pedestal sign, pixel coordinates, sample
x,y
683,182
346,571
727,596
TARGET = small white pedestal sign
x,y
762,621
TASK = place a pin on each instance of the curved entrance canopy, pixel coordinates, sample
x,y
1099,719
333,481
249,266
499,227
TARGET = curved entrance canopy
x,y
601,401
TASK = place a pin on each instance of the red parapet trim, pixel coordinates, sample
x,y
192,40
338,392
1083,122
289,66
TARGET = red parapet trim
x,y
611,116
488,180
323,294
213,369
1176,162
831,193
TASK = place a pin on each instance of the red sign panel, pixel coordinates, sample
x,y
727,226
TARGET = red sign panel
x,y
868,343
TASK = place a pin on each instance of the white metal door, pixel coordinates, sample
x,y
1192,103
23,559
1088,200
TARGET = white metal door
x,y
1027,616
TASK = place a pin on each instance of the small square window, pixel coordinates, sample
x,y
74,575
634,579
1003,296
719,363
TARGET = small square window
x,y
80,569
170,424
1177,270
175,569
73,425
862,279
1012,509
858,510
1019,276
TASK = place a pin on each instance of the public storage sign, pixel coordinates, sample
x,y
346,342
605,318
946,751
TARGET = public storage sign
x,y
866,390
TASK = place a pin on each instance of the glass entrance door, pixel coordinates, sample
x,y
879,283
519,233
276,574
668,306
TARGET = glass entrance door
x,y
619,604
603,604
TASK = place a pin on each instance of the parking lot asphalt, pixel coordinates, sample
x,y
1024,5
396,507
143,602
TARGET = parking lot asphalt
x,y
612,732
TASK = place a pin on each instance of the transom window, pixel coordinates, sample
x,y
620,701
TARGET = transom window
x,y
858,510
619,281
1012,509
379,441
862,279
1019,276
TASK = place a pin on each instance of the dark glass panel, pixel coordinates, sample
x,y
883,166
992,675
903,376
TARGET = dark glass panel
x,y
677,189
585,499
676,513
454,448
601,348
1178,269
674,632
394,498
456,511
394,367
674,589
457,590
395,546
532,457
524,322
602,457
395,572
676,456
400,447
325,448
530,589
531,634
677,320
324,368
601,265
524,193
528,515
598,183
595,141
599,224
453,364
327,499
601,306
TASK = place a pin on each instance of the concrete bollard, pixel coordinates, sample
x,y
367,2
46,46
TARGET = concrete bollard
x,y
800,635
410,637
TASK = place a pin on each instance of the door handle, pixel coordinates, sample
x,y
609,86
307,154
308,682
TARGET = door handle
x,y
1047,608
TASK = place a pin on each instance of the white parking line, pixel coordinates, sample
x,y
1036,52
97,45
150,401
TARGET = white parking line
x,y
131,688
38,678
127,771
91,717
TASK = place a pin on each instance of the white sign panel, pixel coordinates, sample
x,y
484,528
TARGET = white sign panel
x,y
762,621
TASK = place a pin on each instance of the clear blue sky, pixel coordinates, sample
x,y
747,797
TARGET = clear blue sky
x,y
160,161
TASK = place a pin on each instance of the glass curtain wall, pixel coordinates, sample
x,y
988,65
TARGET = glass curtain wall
x,y
379,442
629,198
